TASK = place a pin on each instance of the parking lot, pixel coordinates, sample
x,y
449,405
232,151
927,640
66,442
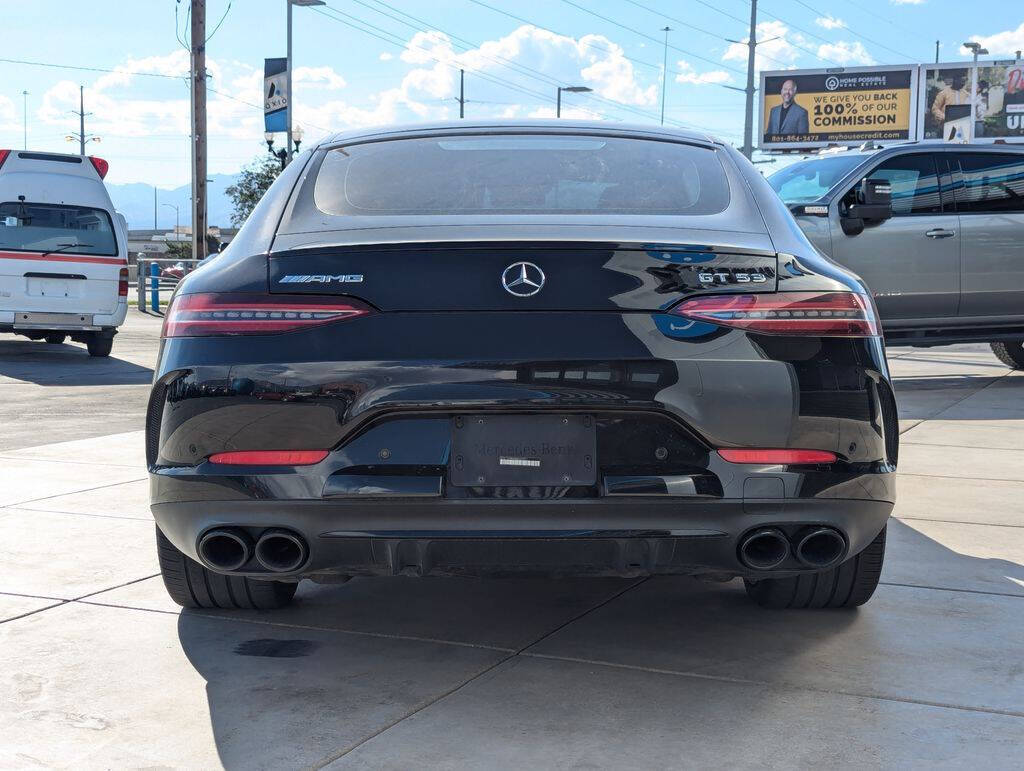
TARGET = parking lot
x,y
101,670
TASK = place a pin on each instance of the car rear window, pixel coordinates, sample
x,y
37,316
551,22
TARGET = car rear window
x,y
45,227
521,174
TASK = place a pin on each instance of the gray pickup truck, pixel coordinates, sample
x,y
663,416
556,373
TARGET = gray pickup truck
x,y
936,231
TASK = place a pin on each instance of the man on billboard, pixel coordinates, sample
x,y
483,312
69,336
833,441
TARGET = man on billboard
x,y
955,92
788,117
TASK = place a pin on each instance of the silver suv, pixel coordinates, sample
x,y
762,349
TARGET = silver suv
x,y
936,231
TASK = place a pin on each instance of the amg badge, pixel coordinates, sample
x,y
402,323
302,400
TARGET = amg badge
x,y
347,278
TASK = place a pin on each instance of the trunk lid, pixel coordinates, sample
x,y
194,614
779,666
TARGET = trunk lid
x,y
518,276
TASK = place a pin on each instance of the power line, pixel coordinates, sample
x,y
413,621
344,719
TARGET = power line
x,y
92,69
853,31
504,61
649,37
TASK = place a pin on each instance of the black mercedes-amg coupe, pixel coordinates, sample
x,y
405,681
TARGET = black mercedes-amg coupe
x,y
555,348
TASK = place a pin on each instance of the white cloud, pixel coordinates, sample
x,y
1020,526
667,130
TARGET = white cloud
x,y
845,53
386,57
688,75
1007,42
773,54
830,22
907,2
325,77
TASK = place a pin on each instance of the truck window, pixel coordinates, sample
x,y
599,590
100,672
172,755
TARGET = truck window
x,y
992,182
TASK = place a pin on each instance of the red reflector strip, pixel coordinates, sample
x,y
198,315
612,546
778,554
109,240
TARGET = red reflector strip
x,y
778,456
818,314
63,257
202,315
269,457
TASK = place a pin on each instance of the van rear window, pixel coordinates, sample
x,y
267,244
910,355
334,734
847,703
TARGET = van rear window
x,y
521,174
46,227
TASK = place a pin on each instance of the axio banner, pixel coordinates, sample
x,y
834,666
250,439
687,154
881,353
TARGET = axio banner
x,y
275,95
845,105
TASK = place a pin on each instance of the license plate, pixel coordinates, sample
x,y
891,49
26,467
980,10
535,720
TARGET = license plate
x,y
60,320
507,450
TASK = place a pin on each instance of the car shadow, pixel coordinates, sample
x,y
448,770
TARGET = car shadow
x,y
292,687
66,364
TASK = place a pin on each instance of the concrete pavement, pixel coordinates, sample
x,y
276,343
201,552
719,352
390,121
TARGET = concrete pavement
x,y
101,670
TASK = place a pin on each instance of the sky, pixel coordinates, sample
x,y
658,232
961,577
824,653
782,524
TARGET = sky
x,y
373,62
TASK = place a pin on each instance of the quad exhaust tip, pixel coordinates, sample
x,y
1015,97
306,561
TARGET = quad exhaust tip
x,y
225,548
819,547
281,551
764,549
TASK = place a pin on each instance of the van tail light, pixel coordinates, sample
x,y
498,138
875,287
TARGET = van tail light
x,y
122,283
204,315
100,165
777,457
816,314
3,156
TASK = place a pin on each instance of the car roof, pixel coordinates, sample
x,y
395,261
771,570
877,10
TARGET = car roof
x,y
559,126
910,147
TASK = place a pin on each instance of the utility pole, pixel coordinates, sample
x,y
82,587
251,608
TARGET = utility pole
x,y
462,93
748,114
199,128
664,74
24,116
936,51
155,227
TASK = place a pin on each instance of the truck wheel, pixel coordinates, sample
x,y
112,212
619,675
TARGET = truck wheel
x,y
55,338
1010,354
193,586
99,346
844,586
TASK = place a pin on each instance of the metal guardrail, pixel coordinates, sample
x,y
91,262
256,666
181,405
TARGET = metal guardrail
x,y
160,275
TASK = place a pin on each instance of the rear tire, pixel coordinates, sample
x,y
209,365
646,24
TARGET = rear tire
x,y
844,586
1010,354
192,586
55,338
99,346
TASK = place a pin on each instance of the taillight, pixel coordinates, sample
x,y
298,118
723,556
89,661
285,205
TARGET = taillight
x,y
3,156
269,457
777,457
122,283
203,315
100,165
819,314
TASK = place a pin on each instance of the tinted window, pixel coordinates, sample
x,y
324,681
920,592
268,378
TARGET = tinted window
x,y
521,174
915,184
44,227
992,182
808,181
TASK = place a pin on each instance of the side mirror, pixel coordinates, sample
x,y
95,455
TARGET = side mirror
x,y
874,204
874,200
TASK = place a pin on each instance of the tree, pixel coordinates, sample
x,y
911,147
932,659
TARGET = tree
x,y
252,183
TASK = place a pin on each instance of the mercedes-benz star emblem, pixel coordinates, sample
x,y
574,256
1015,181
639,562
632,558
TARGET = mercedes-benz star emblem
x,y
523,279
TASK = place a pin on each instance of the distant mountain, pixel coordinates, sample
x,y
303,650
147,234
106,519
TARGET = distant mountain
x,y
135,201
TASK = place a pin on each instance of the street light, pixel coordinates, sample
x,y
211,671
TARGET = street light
x,y
571,90
282,154
176,219
976,49
303,4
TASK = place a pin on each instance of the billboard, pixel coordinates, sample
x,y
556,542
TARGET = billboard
x,y
844,105
968,103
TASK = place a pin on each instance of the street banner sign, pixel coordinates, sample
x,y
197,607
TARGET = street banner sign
x,y
275,95
842,105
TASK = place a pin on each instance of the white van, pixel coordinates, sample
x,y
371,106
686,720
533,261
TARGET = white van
x,y
63,250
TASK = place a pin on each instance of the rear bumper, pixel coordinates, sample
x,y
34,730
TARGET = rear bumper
x,y
638,536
